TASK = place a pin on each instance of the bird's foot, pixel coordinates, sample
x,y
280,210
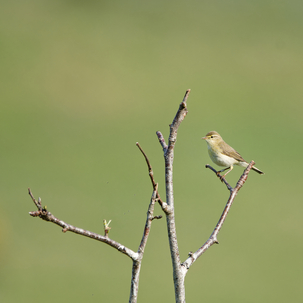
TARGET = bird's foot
x,y
220,176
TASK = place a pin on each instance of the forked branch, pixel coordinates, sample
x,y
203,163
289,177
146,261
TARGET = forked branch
x,y
137,257
179,269
163,205
213,237
168,151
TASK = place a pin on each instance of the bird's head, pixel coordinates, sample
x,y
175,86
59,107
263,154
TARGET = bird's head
x,y
212,138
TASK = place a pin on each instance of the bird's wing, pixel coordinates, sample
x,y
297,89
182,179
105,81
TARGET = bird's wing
x,y
230,152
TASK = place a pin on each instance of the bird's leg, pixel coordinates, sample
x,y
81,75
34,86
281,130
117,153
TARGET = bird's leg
x,y
220,171
231,168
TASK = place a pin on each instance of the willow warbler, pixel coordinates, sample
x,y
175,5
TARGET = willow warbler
x,y
224,155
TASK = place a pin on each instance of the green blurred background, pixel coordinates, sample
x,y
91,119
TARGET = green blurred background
x,y
83,81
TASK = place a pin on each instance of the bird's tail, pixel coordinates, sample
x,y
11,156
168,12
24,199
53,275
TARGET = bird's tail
x,y
257,170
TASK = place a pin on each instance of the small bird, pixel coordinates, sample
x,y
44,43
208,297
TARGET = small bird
x,y
224,155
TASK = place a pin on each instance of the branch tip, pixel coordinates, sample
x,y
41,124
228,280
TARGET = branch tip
x,y
186,94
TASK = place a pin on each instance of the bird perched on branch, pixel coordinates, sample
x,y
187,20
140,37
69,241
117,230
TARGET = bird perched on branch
x,y
224,155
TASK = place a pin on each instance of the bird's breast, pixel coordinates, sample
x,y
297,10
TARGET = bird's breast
x,y
221,159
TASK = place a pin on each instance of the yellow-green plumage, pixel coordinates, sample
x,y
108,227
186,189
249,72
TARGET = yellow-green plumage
x,y
224,155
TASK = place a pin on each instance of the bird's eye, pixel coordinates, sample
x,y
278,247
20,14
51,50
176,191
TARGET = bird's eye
x,y
211,136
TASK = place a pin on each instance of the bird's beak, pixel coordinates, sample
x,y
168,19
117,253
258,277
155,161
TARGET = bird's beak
x,y
204,138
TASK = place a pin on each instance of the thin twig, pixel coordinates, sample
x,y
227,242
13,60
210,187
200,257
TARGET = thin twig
x,y
137,263
181,113
162,141
151,175
213,237
135,256
48,216
149,219
219,176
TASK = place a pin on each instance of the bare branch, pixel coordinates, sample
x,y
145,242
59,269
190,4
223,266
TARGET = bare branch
x,y
149,219
213,237
137,263
170,217
47,216
163,205
135,256
179,270
162,141
181,113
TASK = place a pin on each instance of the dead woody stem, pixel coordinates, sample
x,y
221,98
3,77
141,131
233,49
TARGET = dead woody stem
x,y
179,269
170,216
213,237
136,257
